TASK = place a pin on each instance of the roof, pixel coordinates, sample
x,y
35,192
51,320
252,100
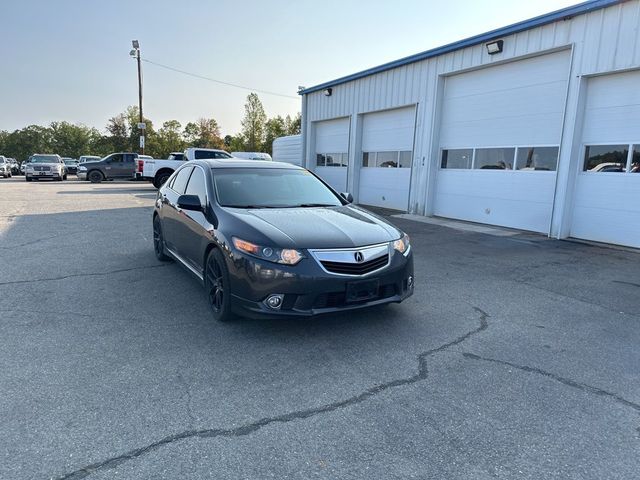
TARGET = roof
x,y
239,163
563,14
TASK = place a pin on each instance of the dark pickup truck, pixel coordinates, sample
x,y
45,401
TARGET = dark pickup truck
x,y
116,165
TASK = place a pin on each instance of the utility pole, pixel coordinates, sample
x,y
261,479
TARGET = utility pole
x,y
141,125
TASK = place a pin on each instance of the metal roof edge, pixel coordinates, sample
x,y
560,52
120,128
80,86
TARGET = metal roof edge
x,y
562,14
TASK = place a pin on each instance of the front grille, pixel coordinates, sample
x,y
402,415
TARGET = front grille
x,y
356,268
39,168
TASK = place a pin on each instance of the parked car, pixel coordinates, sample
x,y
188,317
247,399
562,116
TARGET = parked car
x,y
71,164
5,167
45,166
88,158
158,171
252,156
116,165
15,167
24,164
275,240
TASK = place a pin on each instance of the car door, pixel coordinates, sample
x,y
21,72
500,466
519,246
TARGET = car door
x,y
171,215
128,165
112,165
192,227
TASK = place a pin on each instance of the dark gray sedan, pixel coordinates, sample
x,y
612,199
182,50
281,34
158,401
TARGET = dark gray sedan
x,y
272,239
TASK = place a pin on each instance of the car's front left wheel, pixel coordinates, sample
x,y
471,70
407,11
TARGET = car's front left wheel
x,y
216,283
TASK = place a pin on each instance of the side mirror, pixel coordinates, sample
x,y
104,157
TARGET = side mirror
x,y
189,202
347,196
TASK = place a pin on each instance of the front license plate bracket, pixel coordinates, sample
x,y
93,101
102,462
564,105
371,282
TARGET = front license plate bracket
x,y
362,291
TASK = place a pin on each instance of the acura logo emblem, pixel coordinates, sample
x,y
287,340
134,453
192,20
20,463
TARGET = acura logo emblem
x,y
359,257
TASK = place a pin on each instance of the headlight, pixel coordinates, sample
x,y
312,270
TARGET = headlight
x,y
402,244
82,169
278,255
29,168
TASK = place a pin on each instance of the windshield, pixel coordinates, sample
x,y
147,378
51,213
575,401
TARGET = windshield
x,y
44,159
271,188
70,161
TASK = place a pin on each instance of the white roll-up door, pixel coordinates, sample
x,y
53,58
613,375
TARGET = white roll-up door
x,y
387,149
606,206
332,151
499,140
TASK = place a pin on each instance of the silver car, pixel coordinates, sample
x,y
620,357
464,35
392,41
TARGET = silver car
x,y
5,167
45,166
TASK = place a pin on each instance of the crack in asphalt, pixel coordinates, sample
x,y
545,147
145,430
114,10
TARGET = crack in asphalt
x,y
249,428
626,283
75,275
565,381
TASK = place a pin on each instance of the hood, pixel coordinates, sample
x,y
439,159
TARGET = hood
x,y
318,227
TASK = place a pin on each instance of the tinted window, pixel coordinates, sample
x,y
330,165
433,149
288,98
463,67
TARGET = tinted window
x,y
129,157
201,154
197,186
180,182
270,187
115,158
537,158
494,158
606,158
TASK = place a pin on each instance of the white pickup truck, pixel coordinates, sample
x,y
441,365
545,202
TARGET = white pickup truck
x,y
158,171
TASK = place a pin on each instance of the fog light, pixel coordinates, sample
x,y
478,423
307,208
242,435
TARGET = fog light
x,y
410,281
274,301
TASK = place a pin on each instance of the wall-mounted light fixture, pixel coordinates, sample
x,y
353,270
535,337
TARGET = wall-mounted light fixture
x,y
494,47
327,92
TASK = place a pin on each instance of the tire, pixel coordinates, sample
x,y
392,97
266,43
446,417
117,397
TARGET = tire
x,y
158,241
95,176
216,284
59,179
27,178
65,177
10,174
161,179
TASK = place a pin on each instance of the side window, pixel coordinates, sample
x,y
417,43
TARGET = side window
x,y
129,157
197,186
180,182
115,158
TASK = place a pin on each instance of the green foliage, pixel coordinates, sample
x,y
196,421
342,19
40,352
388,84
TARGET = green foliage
x,y
122,135
253,124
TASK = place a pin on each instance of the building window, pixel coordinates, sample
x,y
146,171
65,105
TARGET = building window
x,y
393,159
494,158
537,158
606,158
458,158
332,159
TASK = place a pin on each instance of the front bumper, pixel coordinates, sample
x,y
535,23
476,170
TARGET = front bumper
x,y
81,175
309,290
39,175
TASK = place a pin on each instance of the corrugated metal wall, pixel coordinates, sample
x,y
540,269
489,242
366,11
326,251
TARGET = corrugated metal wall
x,y
602,41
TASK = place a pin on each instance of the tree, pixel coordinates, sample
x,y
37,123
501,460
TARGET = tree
x,y
253,124
274,127
167,139
204,133
70,140
293,125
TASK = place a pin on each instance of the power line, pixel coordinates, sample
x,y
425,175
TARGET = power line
x,y
266,92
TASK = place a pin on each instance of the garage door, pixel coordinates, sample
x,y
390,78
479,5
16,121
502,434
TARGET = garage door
x,y
499,141
606,205
332,152
387,149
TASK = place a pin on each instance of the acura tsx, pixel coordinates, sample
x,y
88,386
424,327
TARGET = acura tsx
x,y
271,239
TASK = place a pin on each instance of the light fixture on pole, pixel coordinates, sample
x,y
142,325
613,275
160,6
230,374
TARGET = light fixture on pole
x,y
135,53
327,92
495,47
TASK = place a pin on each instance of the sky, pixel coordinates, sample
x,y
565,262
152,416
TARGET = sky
x,y
69,59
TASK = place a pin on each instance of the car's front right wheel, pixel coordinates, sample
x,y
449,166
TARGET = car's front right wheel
x,y
216,283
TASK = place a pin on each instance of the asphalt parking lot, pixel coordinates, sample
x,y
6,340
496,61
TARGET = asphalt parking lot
x,y
517,357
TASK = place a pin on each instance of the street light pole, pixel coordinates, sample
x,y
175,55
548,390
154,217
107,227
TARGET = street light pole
x,y
141,126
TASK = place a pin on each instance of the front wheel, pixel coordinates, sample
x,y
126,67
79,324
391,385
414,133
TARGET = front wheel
x,y
158,241
216,283
95,176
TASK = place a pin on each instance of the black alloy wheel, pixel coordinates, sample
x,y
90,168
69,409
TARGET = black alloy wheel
x,y
216,283
158,241
95,176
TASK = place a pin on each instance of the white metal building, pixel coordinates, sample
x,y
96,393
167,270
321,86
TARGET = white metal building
x,y
533,126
